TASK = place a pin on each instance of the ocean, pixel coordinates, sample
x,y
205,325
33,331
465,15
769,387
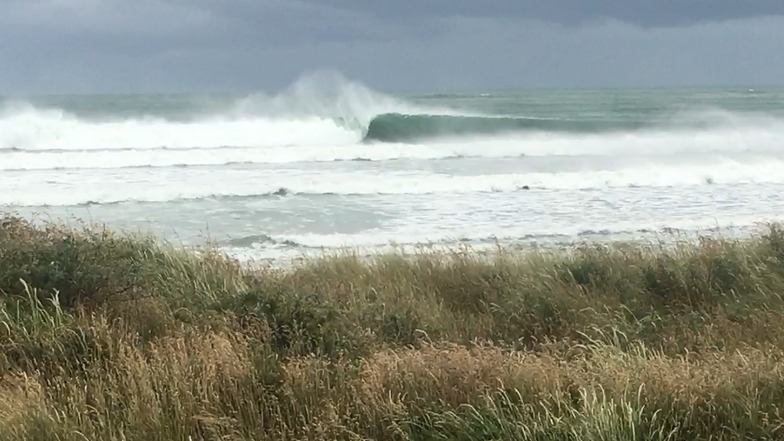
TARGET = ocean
x,y
328,163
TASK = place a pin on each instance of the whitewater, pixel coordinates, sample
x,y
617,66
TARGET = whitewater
x,y
329,163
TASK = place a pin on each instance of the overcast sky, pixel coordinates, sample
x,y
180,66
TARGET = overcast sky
x,y
62,46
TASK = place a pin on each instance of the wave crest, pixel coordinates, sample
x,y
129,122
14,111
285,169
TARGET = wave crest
x,y
398,127
318,109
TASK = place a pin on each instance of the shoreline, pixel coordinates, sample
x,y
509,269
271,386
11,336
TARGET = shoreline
x,y
665,238
279,253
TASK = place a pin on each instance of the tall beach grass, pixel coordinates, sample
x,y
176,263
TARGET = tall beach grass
x,y
105,336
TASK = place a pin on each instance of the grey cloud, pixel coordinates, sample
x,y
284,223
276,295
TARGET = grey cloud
x,y
140,17
496,53
214,45
179,24
640,12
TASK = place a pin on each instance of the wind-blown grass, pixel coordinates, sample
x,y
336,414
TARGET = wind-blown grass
x,y
113,337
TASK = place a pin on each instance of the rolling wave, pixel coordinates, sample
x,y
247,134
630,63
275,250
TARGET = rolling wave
x,y
397,127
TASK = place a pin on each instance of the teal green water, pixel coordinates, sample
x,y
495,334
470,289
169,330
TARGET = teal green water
x,y
614,107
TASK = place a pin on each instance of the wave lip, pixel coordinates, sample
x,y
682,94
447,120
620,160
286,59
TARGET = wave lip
x,y
399,127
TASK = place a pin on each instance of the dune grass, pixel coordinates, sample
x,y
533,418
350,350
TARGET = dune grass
x,y
114,337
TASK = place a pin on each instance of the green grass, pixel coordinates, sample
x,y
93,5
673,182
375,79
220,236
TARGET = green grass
x,y
115,337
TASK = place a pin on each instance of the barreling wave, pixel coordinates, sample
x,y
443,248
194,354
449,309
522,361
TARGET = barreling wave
x,y
397,127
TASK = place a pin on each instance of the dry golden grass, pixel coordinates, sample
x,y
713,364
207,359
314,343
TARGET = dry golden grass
x,y
107,337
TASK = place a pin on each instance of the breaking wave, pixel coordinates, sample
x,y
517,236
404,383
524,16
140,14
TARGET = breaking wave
x,y
324,117
317,110
397,127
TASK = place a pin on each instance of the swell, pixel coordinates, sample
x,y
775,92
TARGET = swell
x,y
398,127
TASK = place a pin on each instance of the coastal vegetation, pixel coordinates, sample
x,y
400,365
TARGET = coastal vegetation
x,y
109,336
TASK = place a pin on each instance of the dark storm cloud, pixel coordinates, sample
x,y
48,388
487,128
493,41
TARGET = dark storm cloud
x,y
198,45
639,12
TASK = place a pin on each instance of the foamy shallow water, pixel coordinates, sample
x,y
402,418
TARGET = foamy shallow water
x,y
305,171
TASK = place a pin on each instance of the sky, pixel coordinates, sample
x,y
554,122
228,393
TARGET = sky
x,y
121,46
